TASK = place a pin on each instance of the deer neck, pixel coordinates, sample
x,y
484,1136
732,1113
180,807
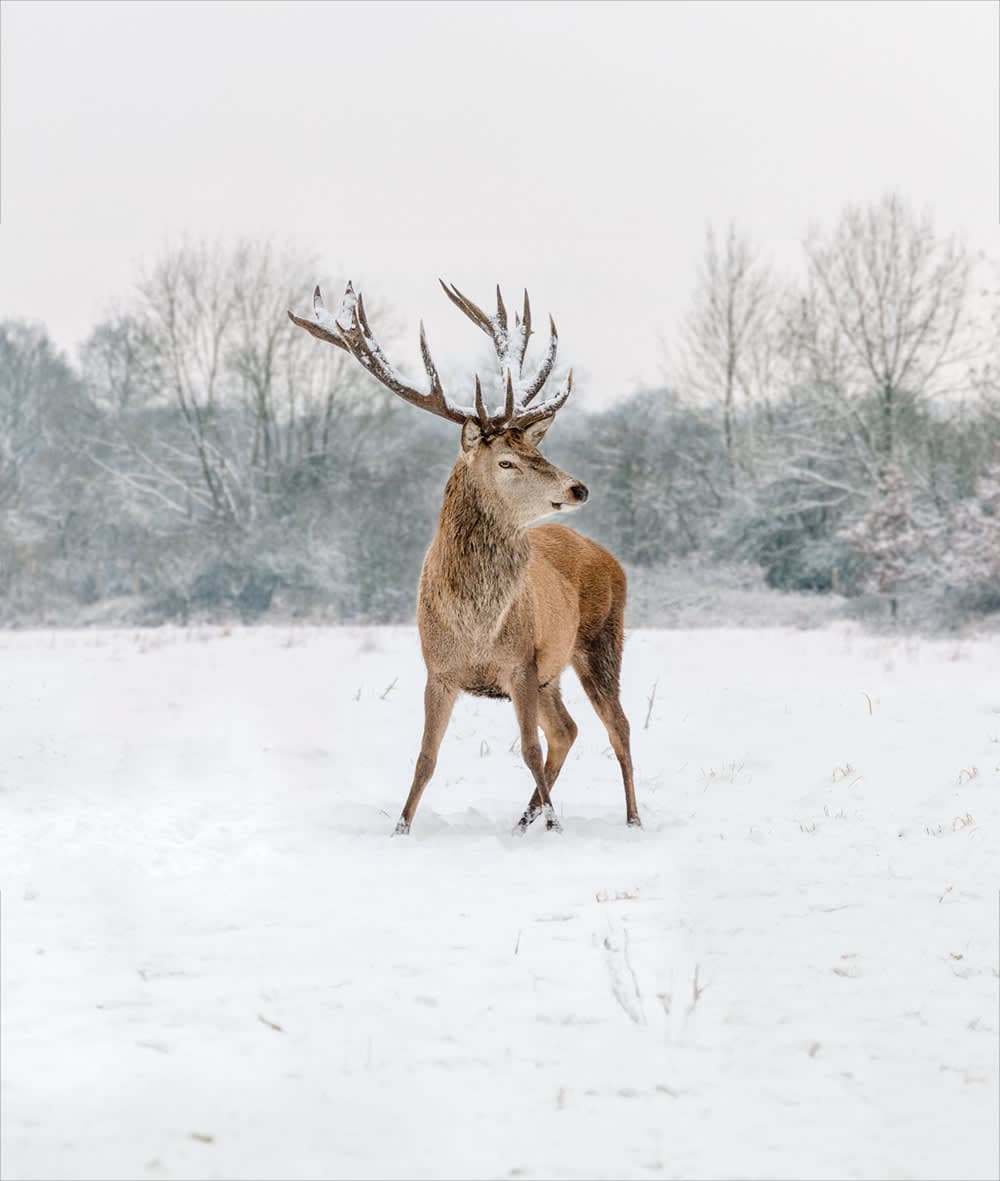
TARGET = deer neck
x,y
480,555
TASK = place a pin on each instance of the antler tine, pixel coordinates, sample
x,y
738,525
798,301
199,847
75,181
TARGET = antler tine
x,y
361,312
428,360
323,326
545,368
519,338
464,304
484,418
491,423
546,408
501,310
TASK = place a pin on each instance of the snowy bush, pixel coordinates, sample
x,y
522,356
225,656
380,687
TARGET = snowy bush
x,y
971,549
886,538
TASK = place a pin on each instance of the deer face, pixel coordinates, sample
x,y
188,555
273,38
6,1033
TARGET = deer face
x,y
510,470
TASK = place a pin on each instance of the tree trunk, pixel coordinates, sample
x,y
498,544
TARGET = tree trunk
x,y
888,411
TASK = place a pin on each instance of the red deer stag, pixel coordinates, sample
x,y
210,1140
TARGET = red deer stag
x,y
503,609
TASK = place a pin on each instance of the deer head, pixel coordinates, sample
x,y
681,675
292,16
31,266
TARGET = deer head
x,y
509,469
500,449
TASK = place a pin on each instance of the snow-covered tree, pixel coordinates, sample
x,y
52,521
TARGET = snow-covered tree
x,y
887,537
972,544
38,393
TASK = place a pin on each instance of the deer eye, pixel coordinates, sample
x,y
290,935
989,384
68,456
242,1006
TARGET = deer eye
x,y
505,463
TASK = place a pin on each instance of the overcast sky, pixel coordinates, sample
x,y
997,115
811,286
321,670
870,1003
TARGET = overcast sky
x,y
576,148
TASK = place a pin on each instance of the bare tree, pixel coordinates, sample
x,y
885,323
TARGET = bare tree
x,y
207,340
22,364
880,327
39,394
42,413
288,397
119,363
727,338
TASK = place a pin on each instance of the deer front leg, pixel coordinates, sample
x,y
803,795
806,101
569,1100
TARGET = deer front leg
x,y
524,695
560,733
439,700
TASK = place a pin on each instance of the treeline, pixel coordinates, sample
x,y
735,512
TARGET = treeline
x,y
203,459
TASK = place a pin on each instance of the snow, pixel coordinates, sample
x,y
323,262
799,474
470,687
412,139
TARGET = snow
x,y
344,317
217,963
336,324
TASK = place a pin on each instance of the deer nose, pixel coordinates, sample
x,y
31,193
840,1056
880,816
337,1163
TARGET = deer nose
x,y
579,492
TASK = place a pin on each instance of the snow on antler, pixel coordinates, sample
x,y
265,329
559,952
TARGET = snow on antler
x,y
510,345
348,329
348,303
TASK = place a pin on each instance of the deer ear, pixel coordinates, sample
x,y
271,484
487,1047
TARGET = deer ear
x,y
536,432
472,435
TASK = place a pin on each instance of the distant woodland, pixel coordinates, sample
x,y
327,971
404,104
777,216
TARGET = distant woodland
x,y
203,459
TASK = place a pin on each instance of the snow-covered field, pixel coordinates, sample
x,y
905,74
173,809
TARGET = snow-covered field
x,y
216,962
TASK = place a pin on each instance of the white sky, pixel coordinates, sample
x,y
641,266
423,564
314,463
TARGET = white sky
x,y
575,148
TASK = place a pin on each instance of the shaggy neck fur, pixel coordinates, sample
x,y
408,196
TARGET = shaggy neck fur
x,y
480,553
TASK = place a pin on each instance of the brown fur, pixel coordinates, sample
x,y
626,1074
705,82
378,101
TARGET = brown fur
x,y
503,609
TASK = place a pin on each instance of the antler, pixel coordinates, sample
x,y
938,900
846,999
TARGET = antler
x,y
510,346
356,337
349,330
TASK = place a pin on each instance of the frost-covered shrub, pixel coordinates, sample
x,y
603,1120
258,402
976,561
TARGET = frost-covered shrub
x,y
886,537
788,530
970,545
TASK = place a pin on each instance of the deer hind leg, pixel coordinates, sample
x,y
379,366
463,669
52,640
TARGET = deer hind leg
x,y
525,696
598,665
439,701
560,734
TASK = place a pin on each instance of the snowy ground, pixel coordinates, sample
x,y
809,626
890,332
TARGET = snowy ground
x,y
216,963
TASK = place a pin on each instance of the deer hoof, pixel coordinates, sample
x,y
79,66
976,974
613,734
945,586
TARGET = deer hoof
x,y
529,817
634,822
401,829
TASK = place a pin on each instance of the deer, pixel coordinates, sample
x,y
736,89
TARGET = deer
x,y
504,605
